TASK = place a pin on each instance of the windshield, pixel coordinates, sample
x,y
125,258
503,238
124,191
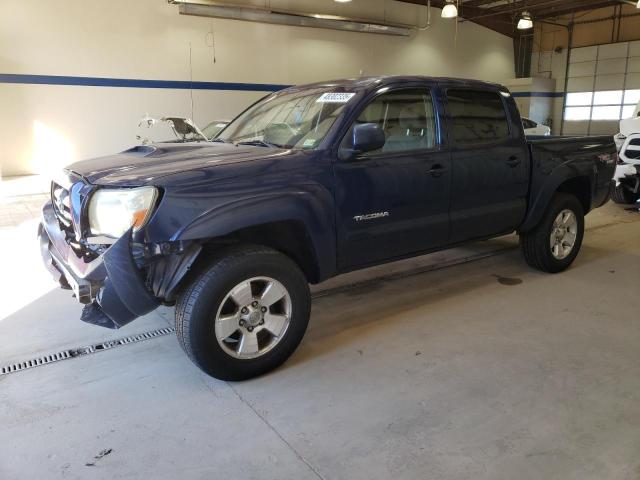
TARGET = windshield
x,y
294,120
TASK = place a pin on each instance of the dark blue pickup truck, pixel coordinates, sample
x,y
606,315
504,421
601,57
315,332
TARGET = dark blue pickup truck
x,y
305,184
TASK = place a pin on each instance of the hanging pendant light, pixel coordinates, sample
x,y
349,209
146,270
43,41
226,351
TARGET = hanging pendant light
x,y
525,22
450,10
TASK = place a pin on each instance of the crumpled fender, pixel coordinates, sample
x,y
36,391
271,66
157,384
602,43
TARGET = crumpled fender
x,y
124,295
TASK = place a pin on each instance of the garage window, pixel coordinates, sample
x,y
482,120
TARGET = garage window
x,y
610,105
477,117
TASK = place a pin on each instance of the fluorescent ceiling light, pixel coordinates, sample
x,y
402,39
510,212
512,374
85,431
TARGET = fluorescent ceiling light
x,y
450,10
525,21
342,1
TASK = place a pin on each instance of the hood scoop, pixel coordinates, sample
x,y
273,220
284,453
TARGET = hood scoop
x,y
140,150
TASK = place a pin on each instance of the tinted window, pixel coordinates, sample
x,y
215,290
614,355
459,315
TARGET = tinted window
x,y
406,117
477,117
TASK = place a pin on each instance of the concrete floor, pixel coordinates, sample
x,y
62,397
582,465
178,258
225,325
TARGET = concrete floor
x,y
485,369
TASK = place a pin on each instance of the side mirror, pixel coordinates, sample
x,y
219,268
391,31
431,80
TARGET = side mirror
x,y
366,138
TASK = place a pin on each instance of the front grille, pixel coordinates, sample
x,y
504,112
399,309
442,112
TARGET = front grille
x,y
632,153
632,148
61,200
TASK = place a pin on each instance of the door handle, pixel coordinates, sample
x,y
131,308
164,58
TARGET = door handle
x,y
513,161
437,170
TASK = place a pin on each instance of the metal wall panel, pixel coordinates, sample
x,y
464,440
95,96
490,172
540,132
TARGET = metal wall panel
x,y
613,65
634,49
613,50
582,69
609,82
633,65
584,54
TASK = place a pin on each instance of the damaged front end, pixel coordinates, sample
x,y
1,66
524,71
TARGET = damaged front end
x,y
117,281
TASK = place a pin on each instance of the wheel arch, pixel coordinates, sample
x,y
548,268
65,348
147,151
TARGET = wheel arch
x,y
298,223
580,186
289,237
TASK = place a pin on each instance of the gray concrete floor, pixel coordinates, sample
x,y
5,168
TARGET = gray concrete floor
x,y
485,369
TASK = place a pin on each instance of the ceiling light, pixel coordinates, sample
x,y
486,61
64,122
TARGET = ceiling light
x,y
450,10
342,1
525,21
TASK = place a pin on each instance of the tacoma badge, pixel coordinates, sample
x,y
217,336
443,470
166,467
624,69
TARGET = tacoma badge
x,y
370,216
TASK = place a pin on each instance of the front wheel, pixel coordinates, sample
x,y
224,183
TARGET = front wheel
x,y
245,314
555,242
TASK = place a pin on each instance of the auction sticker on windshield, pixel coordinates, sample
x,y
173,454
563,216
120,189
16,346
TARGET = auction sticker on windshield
x,y
335,97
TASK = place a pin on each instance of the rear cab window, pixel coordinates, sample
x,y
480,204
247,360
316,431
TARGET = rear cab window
x,y
477,117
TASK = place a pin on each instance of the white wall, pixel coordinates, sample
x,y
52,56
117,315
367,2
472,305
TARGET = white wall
x,y
539,106
45,127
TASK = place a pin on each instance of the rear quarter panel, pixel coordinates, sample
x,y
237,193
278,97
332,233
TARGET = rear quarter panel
x,y
558,159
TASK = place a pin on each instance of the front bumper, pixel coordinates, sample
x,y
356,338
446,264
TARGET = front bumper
x,y
111,286
628,176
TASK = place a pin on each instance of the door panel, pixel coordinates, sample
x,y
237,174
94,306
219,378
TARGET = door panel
x,y
394,201
490,166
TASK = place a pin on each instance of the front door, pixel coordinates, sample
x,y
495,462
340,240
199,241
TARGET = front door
x,y
394,201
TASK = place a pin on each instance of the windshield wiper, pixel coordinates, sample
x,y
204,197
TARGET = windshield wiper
x,y
259,143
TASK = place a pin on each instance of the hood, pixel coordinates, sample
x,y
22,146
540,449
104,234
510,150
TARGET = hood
x,y
629,126
184,129
144,165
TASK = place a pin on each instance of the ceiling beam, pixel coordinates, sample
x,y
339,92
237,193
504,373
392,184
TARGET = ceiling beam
x,y
500,23
543,8
517,7
561,10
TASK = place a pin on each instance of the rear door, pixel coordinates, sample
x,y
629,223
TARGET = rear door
x,y
395,200
490,163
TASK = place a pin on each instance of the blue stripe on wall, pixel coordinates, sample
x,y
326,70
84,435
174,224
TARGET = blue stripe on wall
x,y
538,94
136,83
175,84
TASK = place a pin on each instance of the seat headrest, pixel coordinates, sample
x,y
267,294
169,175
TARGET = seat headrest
x,y
412,116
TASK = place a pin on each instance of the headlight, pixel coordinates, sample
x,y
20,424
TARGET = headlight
x,y
113,212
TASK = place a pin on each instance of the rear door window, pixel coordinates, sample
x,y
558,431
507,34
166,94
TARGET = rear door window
x,y
477,117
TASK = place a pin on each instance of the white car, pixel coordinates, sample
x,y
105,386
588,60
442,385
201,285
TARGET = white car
x,y
534,128
627,175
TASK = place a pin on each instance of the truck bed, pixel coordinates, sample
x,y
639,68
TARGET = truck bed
x,y
555,158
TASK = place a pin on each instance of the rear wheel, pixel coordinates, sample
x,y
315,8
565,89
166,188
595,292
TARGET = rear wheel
x,y
245,314
624,196
555,242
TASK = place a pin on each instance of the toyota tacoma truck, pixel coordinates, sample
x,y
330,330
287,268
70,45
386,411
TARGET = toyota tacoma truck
x,y
308,183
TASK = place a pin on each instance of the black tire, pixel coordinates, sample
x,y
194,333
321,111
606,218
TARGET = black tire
x,y
198,304
624,196
535,243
